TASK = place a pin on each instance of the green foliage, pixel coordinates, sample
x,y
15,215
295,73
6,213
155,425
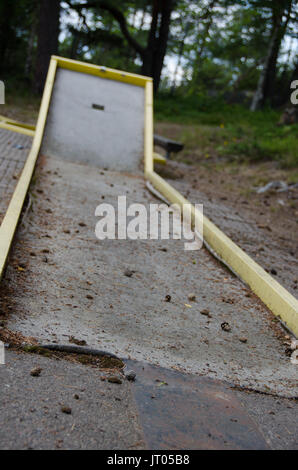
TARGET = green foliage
x,y
17,21
219,45
229,131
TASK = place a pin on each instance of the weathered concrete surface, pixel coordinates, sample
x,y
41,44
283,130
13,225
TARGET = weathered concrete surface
x,y
183,411
77,132
14,149
179,411
73,284
103,417
163,409
276,418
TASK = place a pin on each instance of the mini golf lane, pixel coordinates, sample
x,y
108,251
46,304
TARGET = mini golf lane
x,y
71,284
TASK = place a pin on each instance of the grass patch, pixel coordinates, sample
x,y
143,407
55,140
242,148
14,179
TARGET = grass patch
x,y
229,131
21,106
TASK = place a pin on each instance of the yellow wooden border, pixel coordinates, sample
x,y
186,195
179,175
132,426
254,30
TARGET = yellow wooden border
x,y
10,221
7,120
157,158
148,126
16,128
103,72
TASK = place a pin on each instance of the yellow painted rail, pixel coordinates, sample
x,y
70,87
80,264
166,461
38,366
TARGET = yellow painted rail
x,y
16,126
10,221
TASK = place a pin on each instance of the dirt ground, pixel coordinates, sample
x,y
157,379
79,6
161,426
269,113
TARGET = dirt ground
x,y
264,225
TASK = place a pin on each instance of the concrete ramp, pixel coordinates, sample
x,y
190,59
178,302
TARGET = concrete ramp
x,y
95,120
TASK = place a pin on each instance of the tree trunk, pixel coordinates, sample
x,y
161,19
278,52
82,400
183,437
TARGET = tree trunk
x,y
266,84
30,46
153,58
74,46
200,50
162,45
259,96
153,54
48,33
180,54
149,52
6,11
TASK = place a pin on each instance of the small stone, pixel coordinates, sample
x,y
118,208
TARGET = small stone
x,y
131,375
36,372
128,273
192,297
243,340
115,380
288,352
205,312
76,341
226,327
66,410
